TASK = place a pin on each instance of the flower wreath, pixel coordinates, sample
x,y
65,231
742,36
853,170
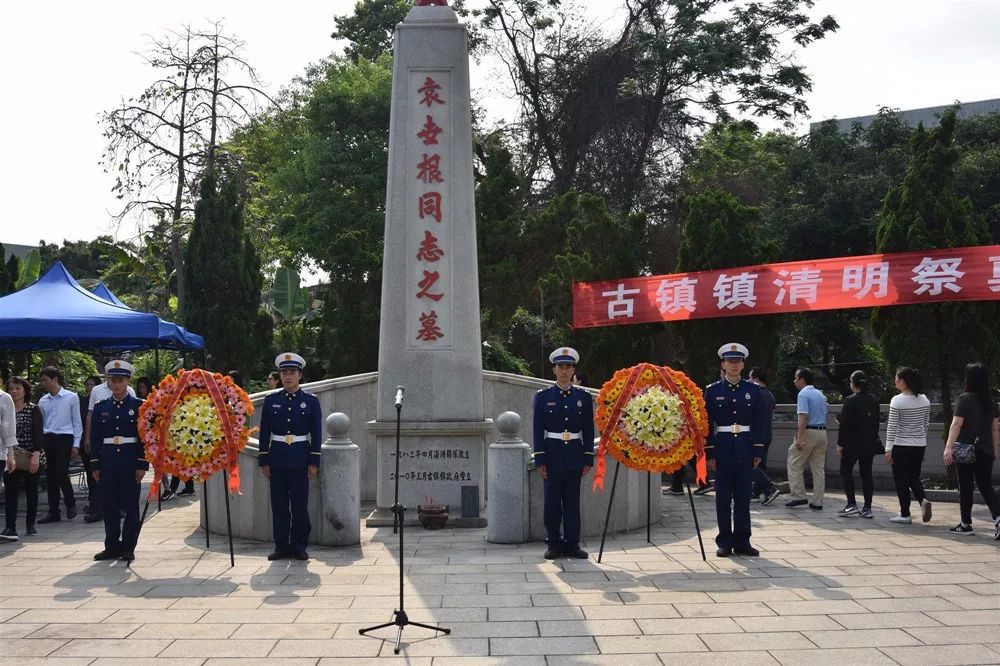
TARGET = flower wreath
x,y
195,425
651,418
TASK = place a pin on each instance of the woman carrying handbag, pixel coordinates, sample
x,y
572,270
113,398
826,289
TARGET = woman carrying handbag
x,y
23,460
973,442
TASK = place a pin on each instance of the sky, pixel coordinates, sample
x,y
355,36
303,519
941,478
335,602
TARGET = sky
x,y
62,63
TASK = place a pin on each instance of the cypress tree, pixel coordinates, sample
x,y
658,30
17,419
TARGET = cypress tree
x,y
721,232
223,276
924,212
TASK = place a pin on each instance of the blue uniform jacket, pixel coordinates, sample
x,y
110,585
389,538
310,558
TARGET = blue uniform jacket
x,y
287,413
558,411
735,404
116,419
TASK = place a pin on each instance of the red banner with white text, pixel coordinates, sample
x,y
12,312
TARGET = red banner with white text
x,y
904,278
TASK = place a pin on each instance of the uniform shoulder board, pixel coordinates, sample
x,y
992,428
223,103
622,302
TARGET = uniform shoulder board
x,y
543,390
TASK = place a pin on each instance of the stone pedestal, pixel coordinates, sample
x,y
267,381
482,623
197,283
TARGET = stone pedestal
x,y
340,481
437,458
507,517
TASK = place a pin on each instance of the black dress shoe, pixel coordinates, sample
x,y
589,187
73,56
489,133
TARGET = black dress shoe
x,y
277,555
746,551
31,531
816,507
300,555
49,518
552,552
107,555
799,502
93,517
577,553
724,552
128,557
71,512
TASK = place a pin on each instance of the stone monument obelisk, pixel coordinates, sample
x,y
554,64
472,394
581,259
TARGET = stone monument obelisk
x,y
429,333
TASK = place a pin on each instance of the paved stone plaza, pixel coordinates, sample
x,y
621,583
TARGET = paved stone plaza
x,y
826,590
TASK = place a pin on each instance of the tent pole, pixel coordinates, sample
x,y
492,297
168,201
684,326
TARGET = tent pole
x,y
156,351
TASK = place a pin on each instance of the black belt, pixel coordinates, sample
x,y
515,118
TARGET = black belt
x,y
815,427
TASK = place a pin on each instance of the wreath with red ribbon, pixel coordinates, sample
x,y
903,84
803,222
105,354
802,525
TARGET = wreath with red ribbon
x,y
652,419
194,425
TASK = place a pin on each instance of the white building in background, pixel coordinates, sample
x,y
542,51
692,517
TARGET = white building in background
x,y
928,116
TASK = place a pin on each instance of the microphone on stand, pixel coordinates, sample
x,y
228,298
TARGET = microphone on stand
x,y
399,396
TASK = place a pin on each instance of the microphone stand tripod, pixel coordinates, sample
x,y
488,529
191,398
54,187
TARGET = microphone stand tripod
x,y
399,617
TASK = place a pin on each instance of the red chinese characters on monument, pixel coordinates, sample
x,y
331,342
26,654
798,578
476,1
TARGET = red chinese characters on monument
x,y
430,169
429,329
432,3
430,279
429,250
430,94
430,206
430,132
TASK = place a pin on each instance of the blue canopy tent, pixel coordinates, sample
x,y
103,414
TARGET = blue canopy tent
x,y
57,313
170,334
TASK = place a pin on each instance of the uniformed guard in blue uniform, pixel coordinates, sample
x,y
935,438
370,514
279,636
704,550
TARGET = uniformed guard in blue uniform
x,y
291,433
119,462
563,453
736,418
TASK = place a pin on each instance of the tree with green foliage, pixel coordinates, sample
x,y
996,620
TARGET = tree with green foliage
x,y
576,238
369,30
318,179
83,259
609,110
224,278
721,232
924,212
9,272
977,172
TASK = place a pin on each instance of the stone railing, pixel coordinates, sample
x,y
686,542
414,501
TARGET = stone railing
x,y
355,397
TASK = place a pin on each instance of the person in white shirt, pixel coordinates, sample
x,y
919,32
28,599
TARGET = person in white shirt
x,y
906,442
62,430
8,430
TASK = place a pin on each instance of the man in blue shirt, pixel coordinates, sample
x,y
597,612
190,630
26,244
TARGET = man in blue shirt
x,y
119,462
563,453
735,445
809,445
291,434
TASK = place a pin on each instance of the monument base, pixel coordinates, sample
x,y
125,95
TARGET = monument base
x,y
438,460
383,518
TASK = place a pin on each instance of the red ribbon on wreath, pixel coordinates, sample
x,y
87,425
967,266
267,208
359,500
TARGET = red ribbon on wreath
x,y
600,465
229,434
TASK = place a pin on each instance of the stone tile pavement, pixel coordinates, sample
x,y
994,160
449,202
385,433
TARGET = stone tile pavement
x,y
826,590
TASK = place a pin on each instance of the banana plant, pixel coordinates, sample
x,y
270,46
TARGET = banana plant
x,y
289,300
31,266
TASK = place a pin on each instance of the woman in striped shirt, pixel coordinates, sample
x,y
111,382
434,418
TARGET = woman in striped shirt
x,y
906,441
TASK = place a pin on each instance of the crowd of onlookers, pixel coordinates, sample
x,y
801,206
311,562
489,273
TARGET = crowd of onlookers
x,y
51,434
972,446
